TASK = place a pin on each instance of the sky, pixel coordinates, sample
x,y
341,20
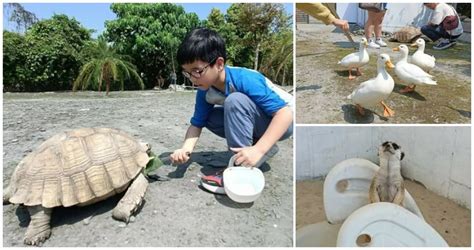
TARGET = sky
x,y
93,15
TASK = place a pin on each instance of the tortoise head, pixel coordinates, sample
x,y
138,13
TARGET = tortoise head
x,y
146,147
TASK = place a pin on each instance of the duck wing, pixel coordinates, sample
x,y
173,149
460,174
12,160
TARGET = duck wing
x,y
416,73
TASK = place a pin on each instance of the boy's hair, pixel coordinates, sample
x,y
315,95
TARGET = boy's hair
x,y
201,44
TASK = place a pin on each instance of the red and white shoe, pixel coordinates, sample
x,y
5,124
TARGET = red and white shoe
x,y
214,183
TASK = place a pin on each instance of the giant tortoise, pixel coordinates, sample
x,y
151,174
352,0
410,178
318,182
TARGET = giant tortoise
x,y
79,167
407,34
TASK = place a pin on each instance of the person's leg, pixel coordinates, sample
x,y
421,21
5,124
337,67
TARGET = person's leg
x,y
432,32
215,122
446,40
368,29
245,124
242,123
378,28
446,35
367,26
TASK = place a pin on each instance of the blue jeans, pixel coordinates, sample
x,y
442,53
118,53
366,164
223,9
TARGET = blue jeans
x,y
240,121
436,32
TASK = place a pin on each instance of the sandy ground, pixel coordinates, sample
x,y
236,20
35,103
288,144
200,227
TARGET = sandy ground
x,y
176,212
322,86
450,220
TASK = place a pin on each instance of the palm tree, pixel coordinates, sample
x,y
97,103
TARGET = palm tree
x,y
278,58
105,66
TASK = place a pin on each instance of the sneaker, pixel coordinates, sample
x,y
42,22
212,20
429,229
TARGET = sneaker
x,y
444,44
380,42
273,151
214,183
373,45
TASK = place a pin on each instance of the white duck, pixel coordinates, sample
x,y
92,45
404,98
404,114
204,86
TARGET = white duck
x,y
356,59
419,58
410,73
376,89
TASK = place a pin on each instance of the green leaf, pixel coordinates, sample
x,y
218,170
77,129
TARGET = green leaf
x,y
153,164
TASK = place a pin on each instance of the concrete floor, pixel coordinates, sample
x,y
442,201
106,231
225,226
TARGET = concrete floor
x,y
322,85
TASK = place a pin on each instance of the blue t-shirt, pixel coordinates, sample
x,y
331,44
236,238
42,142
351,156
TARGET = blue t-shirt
x,y
249,82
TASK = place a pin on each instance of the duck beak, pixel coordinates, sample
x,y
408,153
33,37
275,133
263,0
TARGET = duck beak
x,y
389,64
396,49
414,45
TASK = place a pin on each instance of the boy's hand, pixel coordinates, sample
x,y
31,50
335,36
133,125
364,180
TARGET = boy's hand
x,y
248,156
180,156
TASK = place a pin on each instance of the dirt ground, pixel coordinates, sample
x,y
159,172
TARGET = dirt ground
x,y
322,86
176,212
450,220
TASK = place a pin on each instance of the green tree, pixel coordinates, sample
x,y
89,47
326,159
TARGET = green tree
x,y
106,66
235,49
258,36
52,53
14,71
150,34
256,23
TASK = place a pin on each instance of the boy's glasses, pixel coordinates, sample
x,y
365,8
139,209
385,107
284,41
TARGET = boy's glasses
x,y
197,73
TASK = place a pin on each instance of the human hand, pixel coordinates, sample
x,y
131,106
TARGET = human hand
x,y
248,156
342,24
180,156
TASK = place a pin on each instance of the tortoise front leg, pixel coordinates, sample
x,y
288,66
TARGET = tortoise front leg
x,y
131,200
39,229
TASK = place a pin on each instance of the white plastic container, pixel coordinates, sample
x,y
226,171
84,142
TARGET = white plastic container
x,y
243,184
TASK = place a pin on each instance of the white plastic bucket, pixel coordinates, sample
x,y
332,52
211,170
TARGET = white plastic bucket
x,y
243,184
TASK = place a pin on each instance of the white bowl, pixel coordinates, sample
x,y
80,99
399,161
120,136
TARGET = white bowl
x,y
243,184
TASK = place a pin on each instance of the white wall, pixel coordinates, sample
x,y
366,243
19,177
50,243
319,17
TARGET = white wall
x,y
398,15
405,14
438,157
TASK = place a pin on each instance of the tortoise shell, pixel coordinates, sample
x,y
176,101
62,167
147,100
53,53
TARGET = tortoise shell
x,y
406,34
78,167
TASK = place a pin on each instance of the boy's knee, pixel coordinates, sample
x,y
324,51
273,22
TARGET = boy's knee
x,y
234,100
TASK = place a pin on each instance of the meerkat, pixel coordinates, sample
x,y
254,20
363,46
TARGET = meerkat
x,y
387,184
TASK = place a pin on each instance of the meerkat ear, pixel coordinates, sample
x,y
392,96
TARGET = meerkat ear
x,y
402,155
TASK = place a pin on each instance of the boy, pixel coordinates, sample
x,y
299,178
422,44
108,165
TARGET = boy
x,y
253,113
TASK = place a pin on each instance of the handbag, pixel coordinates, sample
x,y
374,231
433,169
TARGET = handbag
x,y
377,7
450,22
